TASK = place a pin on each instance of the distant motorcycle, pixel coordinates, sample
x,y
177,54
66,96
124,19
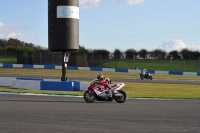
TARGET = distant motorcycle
x,y
100,93
147,76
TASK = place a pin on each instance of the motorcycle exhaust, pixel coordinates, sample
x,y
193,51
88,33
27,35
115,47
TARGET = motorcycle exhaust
x,y
118,94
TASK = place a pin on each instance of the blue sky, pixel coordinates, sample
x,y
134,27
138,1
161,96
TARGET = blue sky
x,y
111,24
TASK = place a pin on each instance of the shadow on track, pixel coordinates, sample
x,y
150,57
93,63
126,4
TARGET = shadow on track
x,y
45,101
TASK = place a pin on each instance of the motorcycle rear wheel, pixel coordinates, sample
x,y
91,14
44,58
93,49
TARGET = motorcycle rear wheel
x,y
89,97
121,99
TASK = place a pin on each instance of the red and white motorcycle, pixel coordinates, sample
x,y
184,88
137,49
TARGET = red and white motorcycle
x,y
100,93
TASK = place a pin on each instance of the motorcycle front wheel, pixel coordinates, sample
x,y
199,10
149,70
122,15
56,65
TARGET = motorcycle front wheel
x,y
150,77
89,97
120,97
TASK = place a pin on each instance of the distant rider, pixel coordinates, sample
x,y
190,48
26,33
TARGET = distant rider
x,y
145,72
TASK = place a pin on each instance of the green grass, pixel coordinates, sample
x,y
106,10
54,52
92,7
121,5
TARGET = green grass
x,y
162,65
134,90
150,90
8,59
9,89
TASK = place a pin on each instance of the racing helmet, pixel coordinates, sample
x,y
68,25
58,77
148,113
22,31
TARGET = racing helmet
x,y
144,70
100,76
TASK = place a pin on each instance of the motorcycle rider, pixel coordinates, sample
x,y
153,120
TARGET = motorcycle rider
x,y
144,73
104,81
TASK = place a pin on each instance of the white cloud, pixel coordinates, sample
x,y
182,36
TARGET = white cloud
x,y
173,45
87,4
34,36
131,2
177,45
11,31
1,24
16,35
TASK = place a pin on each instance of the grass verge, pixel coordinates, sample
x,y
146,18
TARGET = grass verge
x,y
8,89
134,90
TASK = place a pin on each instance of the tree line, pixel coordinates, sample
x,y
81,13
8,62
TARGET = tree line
x,y
16,46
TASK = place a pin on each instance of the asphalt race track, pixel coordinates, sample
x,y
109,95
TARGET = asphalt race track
x,y
59,114
50,114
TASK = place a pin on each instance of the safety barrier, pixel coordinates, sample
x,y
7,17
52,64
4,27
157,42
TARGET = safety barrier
x,y
43,84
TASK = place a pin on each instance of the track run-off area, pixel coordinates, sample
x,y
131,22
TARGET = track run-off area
x,y
59,114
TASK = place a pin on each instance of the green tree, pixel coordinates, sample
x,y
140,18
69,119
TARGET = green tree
x,y
26,49
82,51
14,42
1,49
143,53
158,54
185,53
131,53
11,50
196,54
174,54
117,54
99,53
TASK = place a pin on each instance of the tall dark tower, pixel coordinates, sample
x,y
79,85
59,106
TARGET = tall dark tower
x,y
63,28
63,25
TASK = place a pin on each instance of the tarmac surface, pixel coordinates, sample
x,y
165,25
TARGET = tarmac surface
x,y
53,114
